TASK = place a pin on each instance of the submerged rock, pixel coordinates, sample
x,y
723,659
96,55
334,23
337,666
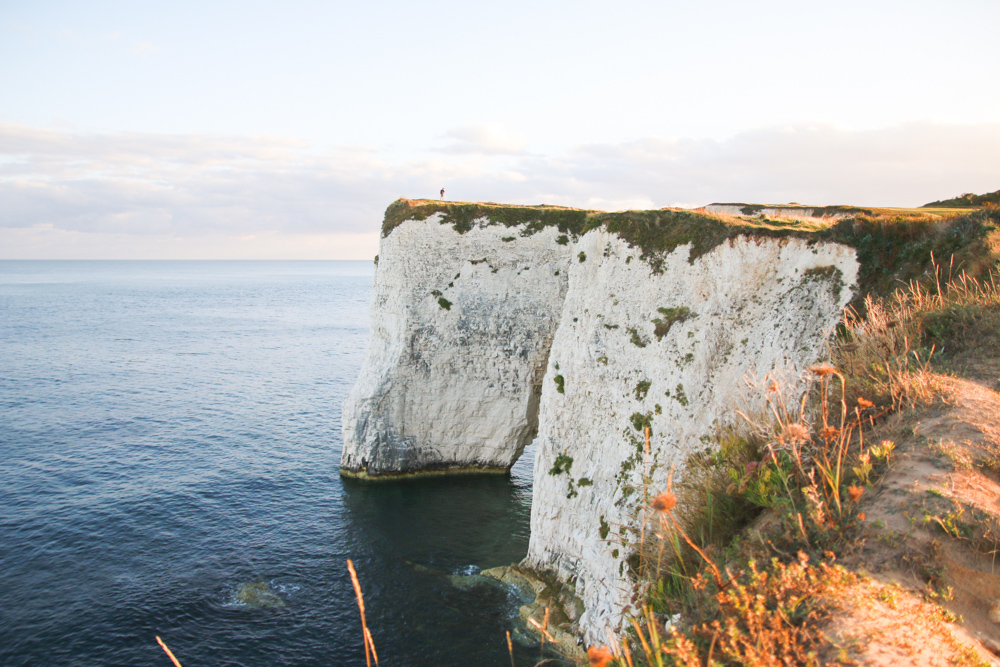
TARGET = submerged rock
x,y
548,602
259,595
468,581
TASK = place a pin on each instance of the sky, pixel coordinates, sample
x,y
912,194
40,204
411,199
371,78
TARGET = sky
x,y
266,130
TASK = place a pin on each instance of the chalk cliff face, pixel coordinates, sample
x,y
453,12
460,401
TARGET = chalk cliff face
x,y
485,334
460,337
671,351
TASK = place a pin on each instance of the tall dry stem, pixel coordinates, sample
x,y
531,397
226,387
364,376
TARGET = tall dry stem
x,y
169,653
369,642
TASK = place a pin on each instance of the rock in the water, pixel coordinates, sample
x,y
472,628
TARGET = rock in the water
x,y
469,581
259,595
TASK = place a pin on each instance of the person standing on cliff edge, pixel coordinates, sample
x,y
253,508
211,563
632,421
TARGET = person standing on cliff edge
x,y
442,193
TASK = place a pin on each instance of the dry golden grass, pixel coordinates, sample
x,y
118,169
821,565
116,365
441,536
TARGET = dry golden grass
x,y
888,350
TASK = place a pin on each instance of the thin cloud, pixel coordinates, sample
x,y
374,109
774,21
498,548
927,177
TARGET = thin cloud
x,y
144,186
483,140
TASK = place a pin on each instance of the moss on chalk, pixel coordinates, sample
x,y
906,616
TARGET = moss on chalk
x,y
562,464
641,389
670,317
828,274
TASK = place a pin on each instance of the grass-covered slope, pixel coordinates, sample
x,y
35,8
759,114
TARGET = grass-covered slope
x,y
968,200
894,245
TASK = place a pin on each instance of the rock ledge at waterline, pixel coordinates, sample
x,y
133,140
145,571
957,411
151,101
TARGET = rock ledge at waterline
x,y
496,325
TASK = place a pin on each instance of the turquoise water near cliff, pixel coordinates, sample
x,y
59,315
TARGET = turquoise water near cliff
x,y
170,432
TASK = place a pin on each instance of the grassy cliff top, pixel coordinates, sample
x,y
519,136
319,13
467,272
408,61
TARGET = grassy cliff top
x,y
893,245
968,200
839,211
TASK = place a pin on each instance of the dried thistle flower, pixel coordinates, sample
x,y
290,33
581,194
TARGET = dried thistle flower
x,y
822,370
664,502
795,432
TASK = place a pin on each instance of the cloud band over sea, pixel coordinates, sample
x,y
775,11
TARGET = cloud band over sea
x,y
70,194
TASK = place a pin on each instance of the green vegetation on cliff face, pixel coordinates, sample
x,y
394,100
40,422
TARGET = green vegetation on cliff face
x,y
968,200
893,246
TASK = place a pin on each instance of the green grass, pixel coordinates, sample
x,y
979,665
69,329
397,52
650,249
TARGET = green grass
x,y
968,200
462,214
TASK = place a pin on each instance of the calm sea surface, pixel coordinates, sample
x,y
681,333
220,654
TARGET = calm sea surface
x,y
170,432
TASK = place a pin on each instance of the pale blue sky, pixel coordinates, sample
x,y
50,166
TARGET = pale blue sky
x,y
252,129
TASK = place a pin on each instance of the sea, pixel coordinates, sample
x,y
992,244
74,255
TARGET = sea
x,y
169,445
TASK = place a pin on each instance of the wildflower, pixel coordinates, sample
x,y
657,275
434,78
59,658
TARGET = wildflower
x,y
664,502
864,403
861,516
795,432
599,656
822,369
855,492
884,449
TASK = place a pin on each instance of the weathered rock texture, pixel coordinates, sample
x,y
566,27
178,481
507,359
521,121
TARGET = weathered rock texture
x,y
461,326
752,306
584,338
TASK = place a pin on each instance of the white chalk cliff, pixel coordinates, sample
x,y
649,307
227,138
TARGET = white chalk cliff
x,y
461,326
483,337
